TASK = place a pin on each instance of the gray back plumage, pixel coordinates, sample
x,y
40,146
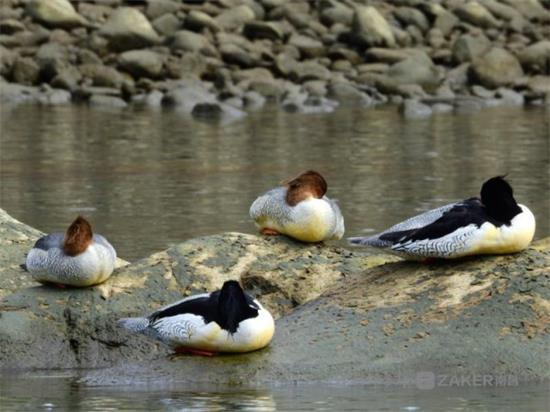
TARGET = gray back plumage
x,y
49,241
272,203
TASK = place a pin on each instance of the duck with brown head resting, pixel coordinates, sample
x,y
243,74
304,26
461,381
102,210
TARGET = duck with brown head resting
x,y
299,209
76,258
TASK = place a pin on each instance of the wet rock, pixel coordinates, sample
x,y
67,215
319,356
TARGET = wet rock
x,y
166,24
502,11
435,38
309,70
446,22
269,88
467,47
263,30
415,70
11,26
344,92
412,16
152,99
539,84
67,78
85,92
408,313
337,52
187,94
410,91
393,55
476,14
192,65
25,38
13,94
414,109
233,54
7,57
481,91
234,18
458,77
25,71
308,104
127,28
197,20
158,8
54,13
309,47
253,100
531,9
442,108
85,56
315,88
257,73
536,58
54,97
96,13
218,111
189,41
52,59
370,28
102,76
9,12
510,97
207,110
141,63
496,68
337,13
107,101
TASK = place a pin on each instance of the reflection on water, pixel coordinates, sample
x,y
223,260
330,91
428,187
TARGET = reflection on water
x,y
150,179
60,394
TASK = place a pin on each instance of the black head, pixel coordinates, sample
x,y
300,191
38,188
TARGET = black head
x,y
498,198
233,306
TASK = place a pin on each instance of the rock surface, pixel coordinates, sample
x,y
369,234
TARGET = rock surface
x,y
496,68
55,13
349,316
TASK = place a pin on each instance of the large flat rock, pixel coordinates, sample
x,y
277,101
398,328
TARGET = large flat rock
x,y
347,316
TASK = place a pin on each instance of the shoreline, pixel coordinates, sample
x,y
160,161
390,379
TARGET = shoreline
x,y
222,59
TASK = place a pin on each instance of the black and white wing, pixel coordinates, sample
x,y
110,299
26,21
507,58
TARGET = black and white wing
x,y
382,239
453,234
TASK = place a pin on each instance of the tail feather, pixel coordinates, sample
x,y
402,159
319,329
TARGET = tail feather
x,y
373,241
134,324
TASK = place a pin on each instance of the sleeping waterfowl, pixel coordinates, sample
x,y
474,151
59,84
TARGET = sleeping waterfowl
x,y
299,209
76,258
492,224
227,320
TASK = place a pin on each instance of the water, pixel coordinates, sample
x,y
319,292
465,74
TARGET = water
x,y
150,179
65,394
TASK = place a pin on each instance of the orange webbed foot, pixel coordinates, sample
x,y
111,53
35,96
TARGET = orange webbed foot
x,y
269,232
191,351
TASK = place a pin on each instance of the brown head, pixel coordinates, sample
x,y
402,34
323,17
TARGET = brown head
x,y
78,237
304,186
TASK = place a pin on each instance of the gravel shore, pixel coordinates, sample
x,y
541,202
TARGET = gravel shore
x,y
223,58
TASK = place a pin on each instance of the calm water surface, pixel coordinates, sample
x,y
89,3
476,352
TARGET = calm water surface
x,y
65,394
150,179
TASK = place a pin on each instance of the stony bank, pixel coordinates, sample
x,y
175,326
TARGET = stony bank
x,y
221,58
343,315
